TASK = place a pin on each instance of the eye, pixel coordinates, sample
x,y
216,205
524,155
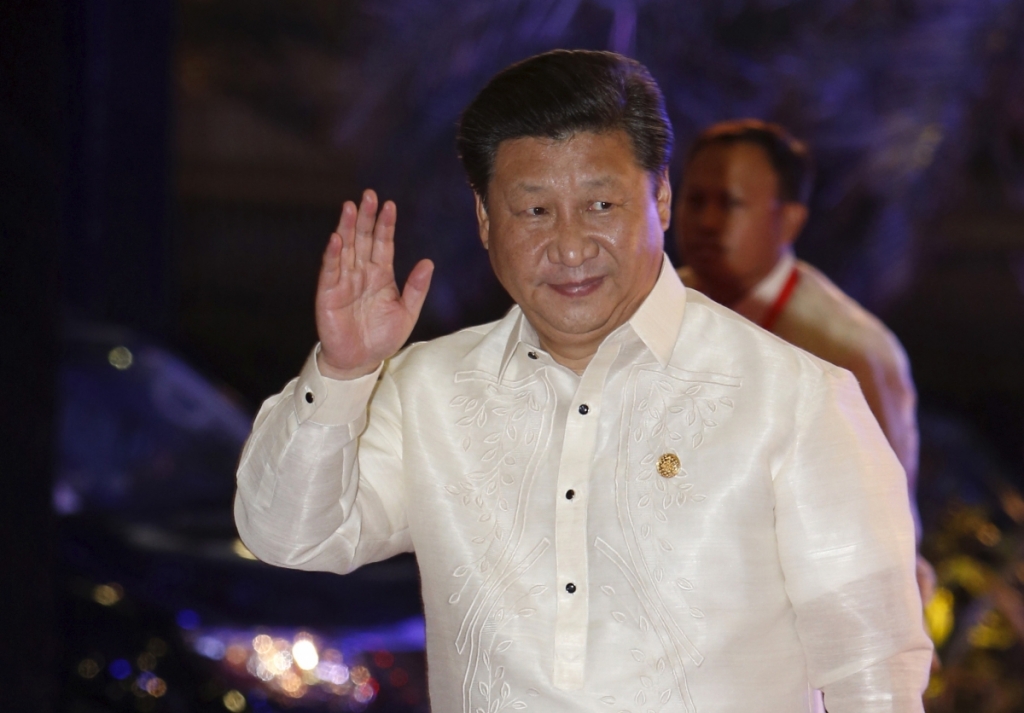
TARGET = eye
x,y
733,202
536,210
600,206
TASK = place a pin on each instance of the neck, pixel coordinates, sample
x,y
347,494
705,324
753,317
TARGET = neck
x,y
730,291
726,294
571,356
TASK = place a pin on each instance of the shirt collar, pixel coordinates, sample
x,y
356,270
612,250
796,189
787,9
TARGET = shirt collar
x,y
522,333
656,322
759,300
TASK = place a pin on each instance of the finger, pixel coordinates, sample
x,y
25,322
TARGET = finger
x,y
365,221
330,270
347,233
416,286
347,219
384,235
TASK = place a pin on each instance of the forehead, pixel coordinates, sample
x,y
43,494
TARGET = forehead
x,y
739,164
583,157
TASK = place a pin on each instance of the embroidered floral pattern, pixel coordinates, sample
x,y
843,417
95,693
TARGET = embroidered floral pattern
x,y
503,433
494,691
678,414
659,629
503,426
654,684
496,426
674,413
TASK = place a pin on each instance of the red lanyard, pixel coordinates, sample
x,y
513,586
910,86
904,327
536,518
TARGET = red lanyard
x,y
772,315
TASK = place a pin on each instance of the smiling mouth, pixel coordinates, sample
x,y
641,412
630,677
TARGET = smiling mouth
x,y
577,289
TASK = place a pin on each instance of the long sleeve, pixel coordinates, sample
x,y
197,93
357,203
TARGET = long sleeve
x,y
884,377
846,542
308,496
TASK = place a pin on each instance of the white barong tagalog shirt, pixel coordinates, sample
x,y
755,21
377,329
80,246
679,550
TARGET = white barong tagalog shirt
x,y
821,319
706,520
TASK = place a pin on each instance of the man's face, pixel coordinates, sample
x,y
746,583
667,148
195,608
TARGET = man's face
x,y
575,232
730,225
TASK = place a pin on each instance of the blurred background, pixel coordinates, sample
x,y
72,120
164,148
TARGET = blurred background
x,y
171,171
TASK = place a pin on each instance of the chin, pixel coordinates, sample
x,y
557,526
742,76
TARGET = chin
x,y
569,323
712,271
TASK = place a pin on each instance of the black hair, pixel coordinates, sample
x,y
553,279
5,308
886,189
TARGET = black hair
x,y
561,93
790,158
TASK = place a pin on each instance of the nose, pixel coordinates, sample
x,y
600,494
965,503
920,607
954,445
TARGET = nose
x,y
708,218
572,244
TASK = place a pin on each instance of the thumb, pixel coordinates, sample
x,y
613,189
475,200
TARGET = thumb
x,y
415,291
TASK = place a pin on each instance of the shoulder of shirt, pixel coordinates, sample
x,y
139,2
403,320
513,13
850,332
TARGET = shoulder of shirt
x,y
838,317
712,320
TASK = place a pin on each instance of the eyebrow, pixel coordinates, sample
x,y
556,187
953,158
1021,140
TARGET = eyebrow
x,y
601,182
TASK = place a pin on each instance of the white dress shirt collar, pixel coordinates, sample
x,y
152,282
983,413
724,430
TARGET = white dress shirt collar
x,y
755,305
656,322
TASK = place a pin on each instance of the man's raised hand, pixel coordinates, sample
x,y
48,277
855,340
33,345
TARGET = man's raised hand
x,y
361,317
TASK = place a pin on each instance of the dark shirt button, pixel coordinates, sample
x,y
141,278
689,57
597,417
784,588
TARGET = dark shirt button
x,y
570,494
584,409
570,587
309,397
532,355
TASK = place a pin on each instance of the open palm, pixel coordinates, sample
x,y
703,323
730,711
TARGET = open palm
x,y
361,317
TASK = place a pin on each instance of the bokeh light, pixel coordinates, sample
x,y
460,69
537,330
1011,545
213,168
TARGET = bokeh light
x,y
359,675
210,647
305,654
107,594
120,358
187,619
938,616
239,548
399,677
234,701
364,693
156,687
146,661
120,669
284,667
88,668
262,644
992,632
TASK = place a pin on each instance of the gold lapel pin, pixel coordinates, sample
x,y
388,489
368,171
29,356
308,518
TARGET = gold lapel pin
x,y
668,465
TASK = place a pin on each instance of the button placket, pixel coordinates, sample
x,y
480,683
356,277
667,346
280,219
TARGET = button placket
x,y
574,472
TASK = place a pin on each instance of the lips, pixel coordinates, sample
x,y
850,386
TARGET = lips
x,y
580,288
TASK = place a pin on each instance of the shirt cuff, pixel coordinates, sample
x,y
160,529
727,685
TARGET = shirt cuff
x,y
331,402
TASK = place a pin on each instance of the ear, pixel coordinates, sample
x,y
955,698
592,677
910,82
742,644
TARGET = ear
x,y
482,220
793,219
663,198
